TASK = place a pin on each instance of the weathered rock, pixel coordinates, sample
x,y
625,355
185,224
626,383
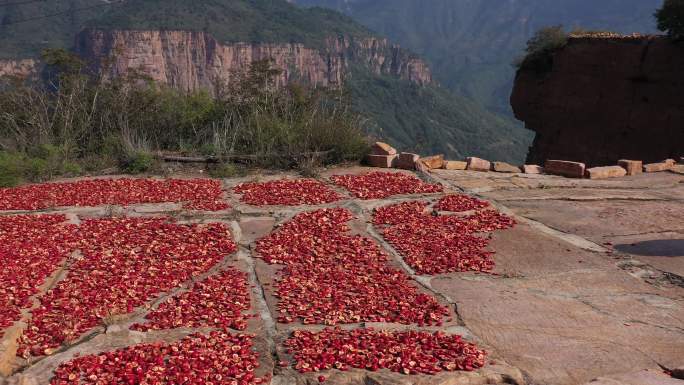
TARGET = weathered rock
x,y
383,161
420,166
606,172
381,148
433,162
454,165
633,167
605,98
658,167
564,168
505,167
21,68
532,169
407,161
477,164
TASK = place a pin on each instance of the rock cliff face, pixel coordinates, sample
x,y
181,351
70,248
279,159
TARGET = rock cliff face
x,y
190,60
605,99
21,68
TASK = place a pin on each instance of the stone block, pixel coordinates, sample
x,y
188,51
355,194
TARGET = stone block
x,y
657,167
454,165
532,169
565,168
407,161
477,164
382,161
606,172
433,162
381,148
633,167
505,167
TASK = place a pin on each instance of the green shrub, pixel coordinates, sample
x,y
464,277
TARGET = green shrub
x,y
671,18
137,162
225,170
541,47
97,123
11,173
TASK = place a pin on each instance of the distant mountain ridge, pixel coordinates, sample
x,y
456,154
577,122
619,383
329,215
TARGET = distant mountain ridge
x,y
186,44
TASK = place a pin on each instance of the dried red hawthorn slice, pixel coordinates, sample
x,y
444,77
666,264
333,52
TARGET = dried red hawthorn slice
x,y
331,277
219,358
126,263
434,244
459,203
31,249
286,192
218,302
377,185
199,194
399,213
407,352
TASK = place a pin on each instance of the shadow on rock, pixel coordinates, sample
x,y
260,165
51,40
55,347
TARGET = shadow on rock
x,y
654,248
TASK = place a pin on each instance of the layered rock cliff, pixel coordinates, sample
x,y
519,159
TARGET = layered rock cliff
x,y
20,67
190,60
606,98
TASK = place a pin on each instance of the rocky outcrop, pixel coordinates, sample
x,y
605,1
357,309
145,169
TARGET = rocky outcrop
x,y
20,68
191,60
605,99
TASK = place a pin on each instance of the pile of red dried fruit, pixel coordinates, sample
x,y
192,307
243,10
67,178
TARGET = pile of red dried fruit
x,y
31,249
331,277
433,244
126,263
377,185
287,192
198,194
219,358
459,203
408,352
216,302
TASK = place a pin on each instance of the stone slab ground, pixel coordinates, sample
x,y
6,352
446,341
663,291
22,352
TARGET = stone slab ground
x,y
587,288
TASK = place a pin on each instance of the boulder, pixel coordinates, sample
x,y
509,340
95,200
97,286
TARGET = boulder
x,y
380,148
633,167
532,169
565,168
505,167
433,162
454,165
407,161
606,172
477,164
382,161
657,167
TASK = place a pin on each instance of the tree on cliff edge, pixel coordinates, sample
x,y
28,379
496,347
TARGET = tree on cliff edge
x,y
671,18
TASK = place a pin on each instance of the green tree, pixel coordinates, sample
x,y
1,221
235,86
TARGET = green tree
x,y
671,18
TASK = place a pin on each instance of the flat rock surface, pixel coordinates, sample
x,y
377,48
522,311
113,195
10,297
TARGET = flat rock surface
x,y
588,288
566,315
